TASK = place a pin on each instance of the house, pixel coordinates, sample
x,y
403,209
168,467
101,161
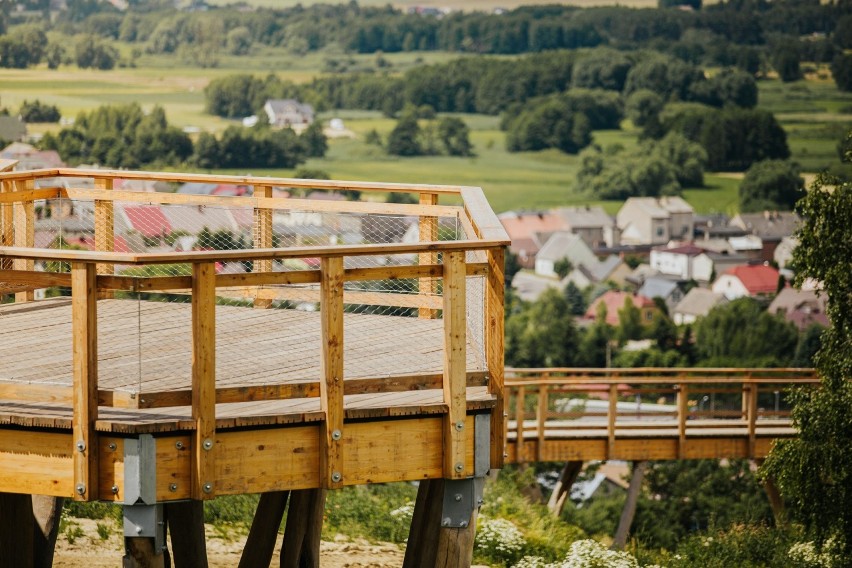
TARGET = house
x,y
668,289
564,245
592,224
696,304
784,251
528,286
770,226
654,221
803,308
285,113
31,158
750,280
614,301
750,246
529,231
715,226
12,129
610,478
198,188
687,262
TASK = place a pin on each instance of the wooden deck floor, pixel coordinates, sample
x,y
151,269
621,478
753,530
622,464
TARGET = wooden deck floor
x,y
146,347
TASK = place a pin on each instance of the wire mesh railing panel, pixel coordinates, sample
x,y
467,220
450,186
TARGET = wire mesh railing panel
x,y
475,305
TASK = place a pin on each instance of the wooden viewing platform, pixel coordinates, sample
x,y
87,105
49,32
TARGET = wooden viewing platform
x,y
167,348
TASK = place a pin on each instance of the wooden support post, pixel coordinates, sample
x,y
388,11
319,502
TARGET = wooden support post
x,y
260,544
541,418
139,553
495,292
562,489
7,225
629,510
746,383
302,532
24,212
104,228
262,232
46,513
682,411
455,545
428,232
520,450
16,531
185,521
331,385
752,418
203,378
84,326
431,545
455,364
611,417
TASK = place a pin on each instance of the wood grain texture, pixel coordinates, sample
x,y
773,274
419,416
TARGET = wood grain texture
x,y
203,378
455,356
84,337
332,368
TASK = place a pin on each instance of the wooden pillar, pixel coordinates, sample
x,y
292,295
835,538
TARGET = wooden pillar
x,y
633,491
562,490
260,544
431,545
520,449
16,531
331,361
46,513
84,318
495,292
541,419
105,228
428,227
611,416
302,532
203,378
185,521
682,411
139,553
752,418
24,212
262,231
7,225
455,364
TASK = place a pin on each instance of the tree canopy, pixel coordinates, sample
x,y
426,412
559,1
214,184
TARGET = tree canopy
x,y
771,184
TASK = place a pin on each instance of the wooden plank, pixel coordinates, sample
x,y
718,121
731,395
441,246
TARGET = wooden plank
x,y
104,221
24,235
262,237
29,195
495,292
203,378
487,224
331,383
37,462
7,224
428,228
35,277
155,284
85,365
7,165
455,361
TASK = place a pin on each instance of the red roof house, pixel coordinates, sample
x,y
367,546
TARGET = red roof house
x,y
148,220
614,301
752,280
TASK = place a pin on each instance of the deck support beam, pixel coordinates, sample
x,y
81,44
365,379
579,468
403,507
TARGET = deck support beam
x,y
301,545
562,490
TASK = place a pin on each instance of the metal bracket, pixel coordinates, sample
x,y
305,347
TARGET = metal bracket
x,y
145,521
461,497
140,470
482,445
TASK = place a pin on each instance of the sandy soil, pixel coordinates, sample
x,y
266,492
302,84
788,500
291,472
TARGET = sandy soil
x,y
91,551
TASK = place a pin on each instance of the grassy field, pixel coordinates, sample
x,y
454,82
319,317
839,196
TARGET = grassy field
x,y
814,114
463,5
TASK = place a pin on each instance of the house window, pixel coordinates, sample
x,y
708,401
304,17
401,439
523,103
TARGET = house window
x,y
649,315
659,231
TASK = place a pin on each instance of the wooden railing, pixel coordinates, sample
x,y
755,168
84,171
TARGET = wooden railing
x,y
93,276
569,403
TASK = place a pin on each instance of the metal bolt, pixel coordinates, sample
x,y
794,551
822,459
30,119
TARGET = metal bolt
x,y
459,467
207,444
207,487
114,489
138,530
505,415
179,445
81,446
173,487
463,524
112,446
479,502
458,497
81,488
336,477
459,425
445,522
336,435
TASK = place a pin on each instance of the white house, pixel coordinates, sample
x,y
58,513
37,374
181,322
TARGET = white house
x,y
697,303
564,245
288,112
688,262
653,221
750,280
593,224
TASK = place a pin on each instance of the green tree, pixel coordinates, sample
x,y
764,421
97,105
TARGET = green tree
x,y
542,334
37,111
629,322
785,60
841,70
813,471
576,300
643,109
93,52
455,136
314,141
594,343
771,184
563,267
404,139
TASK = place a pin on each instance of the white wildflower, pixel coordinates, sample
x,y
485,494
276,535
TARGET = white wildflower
x,y
499,538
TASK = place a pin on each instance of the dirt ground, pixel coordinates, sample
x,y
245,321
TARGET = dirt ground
x,y
223,550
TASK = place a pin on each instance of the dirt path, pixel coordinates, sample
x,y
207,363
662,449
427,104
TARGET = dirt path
x,y
90,550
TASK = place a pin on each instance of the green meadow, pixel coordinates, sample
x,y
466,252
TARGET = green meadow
x,y
813,112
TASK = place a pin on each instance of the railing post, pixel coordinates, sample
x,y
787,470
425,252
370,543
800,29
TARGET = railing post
x,y
752,418
520,451
495,291
203,378
746,382
612,414
455,364
331,382
428,232
84,318
24,234
7,225
541,418
262,231
682,411
104,227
